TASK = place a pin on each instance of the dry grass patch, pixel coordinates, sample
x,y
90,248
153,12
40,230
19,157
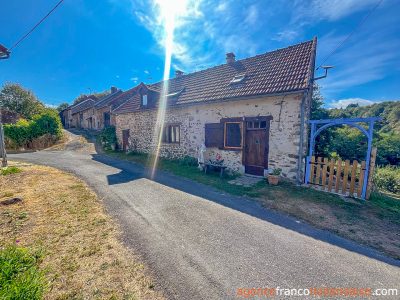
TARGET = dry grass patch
x,y
372,222
63,218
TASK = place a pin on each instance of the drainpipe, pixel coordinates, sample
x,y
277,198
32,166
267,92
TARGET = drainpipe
x,y
303,101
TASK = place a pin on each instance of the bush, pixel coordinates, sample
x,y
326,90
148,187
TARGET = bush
x,y
19,275
10,170
388,179
108,136
24,131
189,161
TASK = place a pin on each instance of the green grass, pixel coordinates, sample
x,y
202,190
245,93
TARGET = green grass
x,y
10,170
19,275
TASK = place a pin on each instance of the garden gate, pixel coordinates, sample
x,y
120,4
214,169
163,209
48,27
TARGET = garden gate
x,y
320,172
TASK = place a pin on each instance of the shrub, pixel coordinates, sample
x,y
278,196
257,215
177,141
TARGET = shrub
x,y
387,178
188,161
10,170
24,131
108,136
19,275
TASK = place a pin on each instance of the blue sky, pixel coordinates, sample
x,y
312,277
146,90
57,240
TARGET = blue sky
x,y
97,44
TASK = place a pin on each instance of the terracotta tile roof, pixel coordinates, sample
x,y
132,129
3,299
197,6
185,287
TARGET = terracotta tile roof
x,y
284,70
86,104
103,102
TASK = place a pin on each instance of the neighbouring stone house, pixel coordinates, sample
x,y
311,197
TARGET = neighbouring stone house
x,y
82,114
8,116
250,112
103,108
90,112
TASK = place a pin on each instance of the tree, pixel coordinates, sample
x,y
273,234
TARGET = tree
x,y
62,106
18,99
318,112
98,95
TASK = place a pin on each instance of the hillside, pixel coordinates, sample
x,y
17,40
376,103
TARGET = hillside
x,y
348,142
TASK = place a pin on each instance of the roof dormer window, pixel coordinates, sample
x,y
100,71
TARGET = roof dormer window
x,y
238,79
144,99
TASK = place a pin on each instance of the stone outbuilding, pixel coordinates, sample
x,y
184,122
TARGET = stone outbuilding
x,y
250,113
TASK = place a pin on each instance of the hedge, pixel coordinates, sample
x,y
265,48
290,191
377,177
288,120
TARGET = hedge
x,y
23,130
387,179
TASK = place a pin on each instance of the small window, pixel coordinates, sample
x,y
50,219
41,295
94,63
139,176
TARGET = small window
x,y
171,134
257,125
144,99
238,79
233,135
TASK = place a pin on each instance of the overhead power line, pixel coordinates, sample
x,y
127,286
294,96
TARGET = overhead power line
x,y
36,25
359,25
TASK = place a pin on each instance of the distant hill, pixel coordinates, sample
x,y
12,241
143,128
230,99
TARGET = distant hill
x,y
389,111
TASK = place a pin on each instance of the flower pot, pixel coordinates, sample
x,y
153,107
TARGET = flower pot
x,y
273,179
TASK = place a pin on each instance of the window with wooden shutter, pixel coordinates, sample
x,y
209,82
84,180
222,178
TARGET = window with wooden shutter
x,y
214,135
171,133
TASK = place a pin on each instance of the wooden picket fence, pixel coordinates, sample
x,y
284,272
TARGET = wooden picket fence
x,y
340,177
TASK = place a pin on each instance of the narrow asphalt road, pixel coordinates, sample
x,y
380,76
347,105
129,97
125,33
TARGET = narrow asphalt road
x,y
200,243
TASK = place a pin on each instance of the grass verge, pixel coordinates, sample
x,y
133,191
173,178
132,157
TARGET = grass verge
x,y
20,277
10,170
375,223
61,218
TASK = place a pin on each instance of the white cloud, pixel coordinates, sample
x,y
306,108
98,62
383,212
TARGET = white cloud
x,y
332,10
344,102
134,79
286,35
147,72
252,15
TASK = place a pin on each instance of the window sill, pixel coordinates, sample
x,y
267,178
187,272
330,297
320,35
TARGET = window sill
x,y
170,144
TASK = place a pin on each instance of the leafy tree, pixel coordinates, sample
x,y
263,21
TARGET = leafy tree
x,y
98,95
62,106
20,100
318,112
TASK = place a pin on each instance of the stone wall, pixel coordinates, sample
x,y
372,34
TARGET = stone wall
x,y
283,140
99,116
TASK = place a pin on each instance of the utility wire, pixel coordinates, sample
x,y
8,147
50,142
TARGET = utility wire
x,y
36,25
359,25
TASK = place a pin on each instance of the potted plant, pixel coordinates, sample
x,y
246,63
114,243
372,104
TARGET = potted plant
x,y
273,178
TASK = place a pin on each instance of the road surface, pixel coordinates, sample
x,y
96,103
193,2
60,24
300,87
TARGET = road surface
x,y
200,243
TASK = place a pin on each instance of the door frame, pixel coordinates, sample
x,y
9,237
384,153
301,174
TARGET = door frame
x,y
245,129
124,146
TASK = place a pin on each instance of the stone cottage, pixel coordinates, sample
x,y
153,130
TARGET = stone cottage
x,y
103,108
92,113
82,113
251,112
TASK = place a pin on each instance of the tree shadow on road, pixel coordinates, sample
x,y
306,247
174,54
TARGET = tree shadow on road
x,y
130,171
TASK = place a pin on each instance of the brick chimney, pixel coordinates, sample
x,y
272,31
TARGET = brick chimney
x,y
178,73
230,57
113,89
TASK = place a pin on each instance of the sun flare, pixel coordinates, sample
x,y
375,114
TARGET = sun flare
x,y
169,12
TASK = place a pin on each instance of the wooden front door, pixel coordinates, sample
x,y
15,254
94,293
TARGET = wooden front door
x,y
256,147
125,142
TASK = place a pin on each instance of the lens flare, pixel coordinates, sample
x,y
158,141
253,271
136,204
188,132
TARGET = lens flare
x,y
170,10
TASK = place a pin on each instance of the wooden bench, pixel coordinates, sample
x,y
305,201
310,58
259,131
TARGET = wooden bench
x,y
208,166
